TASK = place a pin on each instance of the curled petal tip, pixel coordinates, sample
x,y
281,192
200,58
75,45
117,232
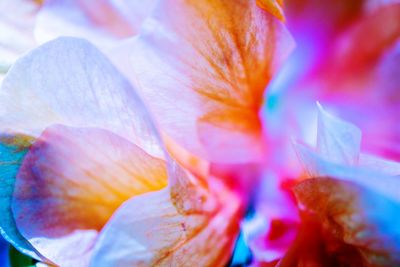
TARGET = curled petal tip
x,y
275,7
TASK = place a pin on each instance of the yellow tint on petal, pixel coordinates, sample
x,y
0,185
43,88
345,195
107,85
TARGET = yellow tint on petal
x,y
184,225
20,141
74,176
71,182
275,7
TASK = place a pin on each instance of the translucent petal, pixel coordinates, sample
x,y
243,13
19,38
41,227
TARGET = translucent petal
x,y
68,81
187,225
356,215
70,183
208,79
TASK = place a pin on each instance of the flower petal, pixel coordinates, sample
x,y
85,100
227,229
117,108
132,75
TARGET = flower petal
x,y
356,215
337,140
16,20
102,22
12,151
70,183
338,143
185,224
384,166
68,81
205,82
371,178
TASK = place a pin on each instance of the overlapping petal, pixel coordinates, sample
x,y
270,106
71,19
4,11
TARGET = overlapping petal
x,y
203,72
70,183
354,197
94,148
68,81
185,224
338,150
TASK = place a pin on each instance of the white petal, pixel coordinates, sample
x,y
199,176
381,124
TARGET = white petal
x,y
68,81
337,140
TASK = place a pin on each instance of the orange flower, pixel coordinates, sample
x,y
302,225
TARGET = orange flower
x,y
90,183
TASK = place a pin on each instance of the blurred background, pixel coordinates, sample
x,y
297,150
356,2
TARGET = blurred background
x,y
3,253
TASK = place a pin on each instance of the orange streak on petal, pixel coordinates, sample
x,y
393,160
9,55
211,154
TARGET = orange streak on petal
x,y
275,7
212,72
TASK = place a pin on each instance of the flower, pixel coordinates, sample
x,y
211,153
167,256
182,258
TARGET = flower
x,y
144,145
88,180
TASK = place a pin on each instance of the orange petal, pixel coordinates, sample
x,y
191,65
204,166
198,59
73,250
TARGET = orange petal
x,y
70,183
355,215
275,7
202,68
